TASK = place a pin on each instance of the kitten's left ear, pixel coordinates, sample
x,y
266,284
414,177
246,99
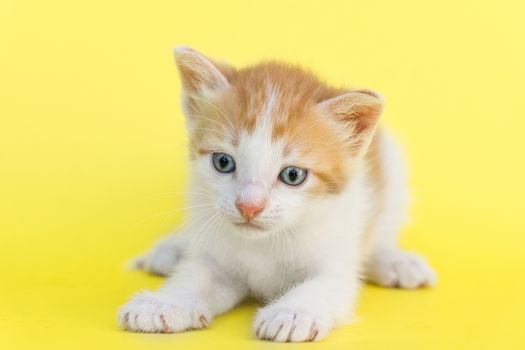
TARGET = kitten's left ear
x,y
358,112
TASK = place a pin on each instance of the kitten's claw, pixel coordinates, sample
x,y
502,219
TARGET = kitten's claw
x,y
286,325
397,269
152,313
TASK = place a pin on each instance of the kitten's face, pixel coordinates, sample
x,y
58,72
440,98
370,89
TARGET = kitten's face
x,y
255,183
258,181
270,140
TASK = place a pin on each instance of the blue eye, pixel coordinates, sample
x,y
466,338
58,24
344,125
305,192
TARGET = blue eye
x,y
223,163
293,176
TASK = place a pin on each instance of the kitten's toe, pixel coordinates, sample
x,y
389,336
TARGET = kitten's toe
x,y
397,269
155,313
287,325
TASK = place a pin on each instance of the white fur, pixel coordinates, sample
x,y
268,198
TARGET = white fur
x,y
305,263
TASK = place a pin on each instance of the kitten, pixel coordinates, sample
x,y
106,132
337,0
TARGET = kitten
x,y
295,194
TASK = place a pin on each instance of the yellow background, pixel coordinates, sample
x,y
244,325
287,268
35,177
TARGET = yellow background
x,y
92,158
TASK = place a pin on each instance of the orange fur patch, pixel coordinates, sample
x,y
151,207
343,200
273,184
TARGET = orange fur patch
x,y
290,96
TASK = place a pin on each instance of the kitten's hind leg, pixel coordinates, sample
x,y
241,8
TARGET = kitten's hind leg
x,y
394,268
164,255
386,264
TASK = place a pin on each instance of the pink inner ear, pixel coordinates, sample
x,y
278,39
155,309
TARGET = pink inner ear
x,y
366,117
198,73
360,109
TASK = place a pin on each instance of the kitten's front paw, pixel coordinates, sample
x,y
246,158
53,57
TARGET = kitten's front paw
x,y
398,269
281,324
155,313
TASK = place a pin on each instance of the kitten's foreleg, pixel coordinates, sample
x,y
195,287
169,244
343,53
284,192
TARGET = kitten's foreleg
x,y
198,291
308,311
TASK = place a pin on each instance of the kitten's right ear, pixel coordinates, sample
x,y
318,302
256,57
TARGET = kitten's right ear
x,y
200,76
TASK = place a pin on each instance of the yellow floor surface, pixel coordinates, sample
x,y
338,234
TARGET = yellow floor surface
x,y
92,159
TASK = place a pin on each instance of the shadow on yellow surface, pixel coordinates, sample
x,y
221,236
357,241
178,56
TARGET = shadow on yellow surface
x,y
92,150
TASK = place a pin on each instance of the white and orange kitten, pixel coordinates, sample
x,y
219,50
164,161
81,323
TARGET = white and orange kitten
x,y
296,195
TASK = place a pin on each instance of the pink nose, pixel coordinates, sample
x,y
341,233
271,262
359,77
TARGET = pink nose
x,y
250,210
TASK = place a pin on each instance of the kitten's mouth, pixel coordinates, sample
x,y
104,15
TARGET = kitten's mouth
x,y
250,225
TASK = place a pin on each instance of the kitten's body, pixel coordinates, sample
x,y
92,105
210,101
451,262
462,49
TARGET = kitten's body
x,y
312,243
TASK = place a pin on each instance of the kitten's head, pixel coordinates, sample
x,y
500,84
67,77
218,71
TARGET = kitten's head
x,y
269,140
